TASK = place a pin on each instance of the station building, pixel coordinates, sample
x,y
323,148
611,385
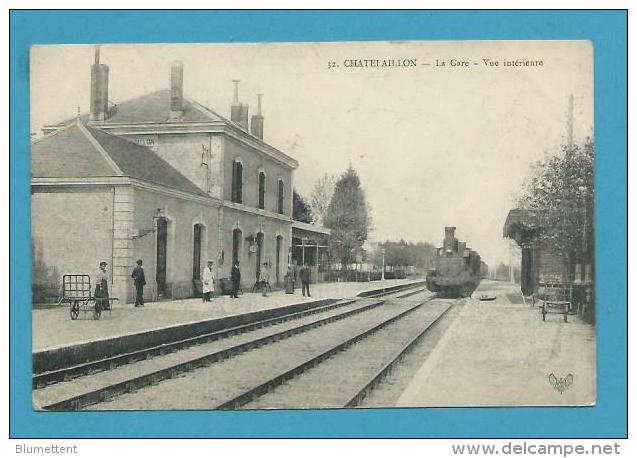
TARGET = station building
x,y
162,178
542,265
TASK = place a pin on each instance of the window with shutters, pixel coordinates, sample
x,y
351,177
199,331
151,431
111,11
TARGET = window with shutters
x,y
237,182
261,190
280,197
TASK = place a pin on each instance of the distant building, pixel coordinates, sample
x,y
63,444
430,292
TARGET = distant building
x,y
162,178
310,245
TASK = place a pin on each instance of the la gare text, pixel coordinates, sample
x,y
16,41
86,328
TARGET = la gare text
x,y
456,63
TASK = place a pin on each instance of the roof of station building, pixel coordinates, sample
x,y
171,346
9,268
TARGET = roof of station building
x,y
151,108
79,151
520,218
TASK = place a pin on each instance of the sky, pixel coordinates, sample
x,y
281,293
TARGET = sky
x,y
434,146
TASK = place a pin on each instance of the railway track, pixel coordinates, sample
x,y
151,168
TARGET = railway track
x,y
87,384
263,379
346,379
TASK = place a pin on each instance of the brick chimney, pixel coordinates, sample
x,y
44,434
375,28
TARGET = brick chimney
x,y
176,90
99,89
256,125
239,111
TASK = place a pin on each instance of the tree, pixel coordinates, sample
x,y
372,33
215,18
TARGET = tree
x,y
321,197
347,216
559,192
300,209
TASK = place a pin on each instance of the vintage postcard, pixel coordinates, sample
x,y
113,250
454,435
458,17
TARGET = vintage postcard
x,y
313,225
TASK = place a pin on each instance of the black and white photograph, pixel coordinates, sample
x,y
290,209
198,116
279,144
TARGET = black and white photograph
x,y
318,225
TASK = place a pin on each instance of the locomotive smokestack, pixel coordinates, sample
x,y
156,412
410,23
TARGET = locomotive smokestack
x,y
239,111
256,125
99,89
451,242
176,90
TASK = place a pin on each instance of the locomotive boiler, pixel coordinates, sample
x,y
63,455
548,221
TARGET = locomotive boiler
x,y
457,269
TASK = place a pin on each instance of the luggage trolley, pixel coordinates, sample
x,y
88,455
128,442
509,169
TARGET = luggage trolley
x,y
76,291
556,298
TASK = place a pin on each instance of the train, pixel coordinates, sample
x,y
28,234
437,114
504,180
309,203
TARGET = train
x,y
457,268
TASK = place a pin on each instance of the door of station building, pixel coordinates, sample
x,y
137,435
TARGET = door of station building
x,y
236,243
162,245
196,252
279,242
259,254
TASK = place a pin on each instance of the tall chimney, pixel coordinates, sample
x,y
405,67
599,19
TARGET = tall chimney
x,y
99,89
238,111
176,90
256,125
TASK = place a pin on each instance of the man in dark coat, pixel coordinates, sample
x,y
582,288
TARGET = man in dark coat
x,y
235,276
140,280
305,279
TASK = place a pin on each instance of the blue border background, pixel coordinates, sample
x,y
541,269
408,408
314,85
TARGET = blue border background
x,y
606,29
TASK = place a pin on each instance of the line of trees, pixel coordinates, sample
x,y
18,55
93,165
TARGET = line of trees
x,y
402,253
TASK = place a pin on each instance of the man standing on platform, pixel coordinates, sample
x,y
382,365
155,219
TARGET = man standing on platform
x,y
235,276
140,280
305,279
208,282
265,279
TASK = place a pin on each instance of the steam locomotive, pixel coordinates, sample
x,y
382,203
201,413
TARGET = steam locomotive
x,y
457,269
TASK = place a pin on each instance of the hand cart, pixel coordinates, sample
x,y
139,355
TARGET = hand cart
x,y
555,297
76,291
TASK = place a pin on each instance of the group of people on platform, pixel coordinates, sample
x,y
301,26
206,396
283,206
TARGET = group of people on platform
x,y
262,282
208,281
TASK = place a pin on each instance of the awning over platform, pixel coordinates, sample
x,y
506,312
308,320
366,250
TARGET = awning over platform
x,y
520,224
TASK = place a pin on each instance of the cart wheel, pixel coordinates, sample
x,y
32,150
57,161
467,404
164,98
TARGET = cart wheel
x,y
75,311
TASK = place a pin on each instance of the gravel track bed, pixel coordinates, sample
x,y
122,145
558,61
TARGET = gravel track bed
x,y
338,379
67,389
388,391
208,387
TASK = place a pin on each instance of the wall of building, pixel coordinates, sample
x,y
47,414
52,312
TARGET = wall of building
x,y
71,230
253,162
181,215
250,225
551,266
198,156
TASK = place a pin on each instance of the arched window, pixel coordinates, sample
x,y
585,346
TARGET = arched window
x,y
280,197
261,190
237,182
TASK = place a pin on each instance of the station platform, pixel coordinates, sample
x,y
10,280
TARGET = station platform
x,y
54,330
500,353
